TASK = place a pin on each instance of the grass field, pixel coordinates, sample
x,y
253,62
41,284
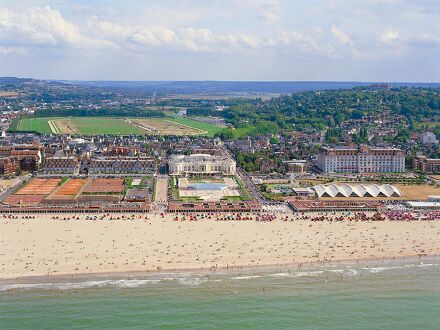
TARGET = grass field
x,y
39,125
104,125
211,129
114,126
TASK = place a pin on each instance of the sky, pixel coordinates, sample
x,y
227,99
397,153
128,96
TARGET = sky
x,y
259,40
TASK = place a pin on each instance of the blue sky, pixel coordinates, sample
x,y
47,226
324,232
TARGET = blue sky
x,y
368,40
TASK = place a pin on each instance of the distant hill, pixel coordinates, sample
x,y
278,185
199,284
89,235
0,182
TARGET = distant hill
x,y
15,80
215,87
221,87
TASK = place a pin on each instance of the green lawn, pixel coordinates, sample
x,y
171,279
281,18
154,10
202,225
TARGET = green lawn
x,y
211,129
104,125
232,199
190,199
39,125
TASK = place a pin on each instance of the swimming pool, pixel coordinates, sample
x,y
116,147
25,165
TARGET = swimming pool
x,y
207,186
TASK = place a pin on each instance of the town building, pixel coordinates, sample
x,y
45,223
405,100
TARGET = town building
x,y
428,138
9,165
356,190
137,195
123,151
28,156
427,165
423,206
296,166
362,159
122,165
244,145
61,165
201,164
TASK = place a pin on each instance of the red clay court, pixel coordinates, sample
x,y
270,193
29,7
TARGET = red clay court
x,y
39,186
105,185
71,187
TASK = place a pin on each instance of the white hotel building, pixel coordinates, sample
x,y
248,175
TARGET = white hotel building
x,y
201,164
361,160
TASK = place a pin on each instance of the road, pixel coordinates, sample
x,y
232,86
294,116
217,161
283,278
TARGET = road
x,y
246,179
6,193
250,186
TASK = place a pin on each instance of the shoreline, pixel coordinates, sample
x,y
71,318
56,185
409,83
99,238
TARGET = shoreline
x,y
237,270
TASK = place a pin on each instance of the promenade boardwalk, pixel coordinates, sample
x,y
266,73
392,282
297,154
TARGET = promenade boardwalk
x,y
161,189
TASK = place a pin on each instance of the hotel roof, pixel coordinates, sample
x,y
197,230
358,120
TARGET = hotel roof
x,y
357,190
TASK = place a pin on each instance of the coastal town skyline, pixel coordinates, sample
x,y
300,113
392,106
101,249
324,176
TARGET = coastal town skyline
x,y
191,164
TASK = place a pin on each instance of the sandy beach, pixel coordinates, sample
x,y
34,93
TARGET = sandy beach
x,y
43,246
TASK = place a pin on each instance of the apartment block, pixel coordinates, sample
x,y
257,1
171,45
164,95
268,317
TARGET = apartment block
x,y
61,165
428,165
122,165
362,159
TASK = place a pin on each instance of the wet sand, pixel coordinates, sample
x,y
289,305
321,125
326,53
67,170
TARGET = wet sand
x,y
42,246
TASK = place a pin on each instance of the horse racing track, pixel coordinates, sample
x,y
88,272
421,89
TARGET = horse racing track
x,y
91,126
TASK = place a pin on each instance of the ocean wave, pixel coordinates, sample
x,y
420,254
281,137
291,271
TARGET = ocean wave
x,y
426,265
280,275
308,274
376,270
336,270
191,281
245,277
115,283
132,283
298,274
352,271
196,279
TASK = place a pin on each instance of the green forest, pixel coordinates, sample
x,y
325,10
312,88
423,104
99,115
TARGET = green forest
x,y
329,109
104,112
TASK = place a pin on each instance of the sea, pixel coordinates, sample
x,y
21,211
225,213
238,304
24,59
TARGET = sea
x,y
386,295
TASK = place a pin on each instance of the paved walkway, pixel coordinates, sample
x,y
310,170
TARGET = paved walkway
x,y
161,196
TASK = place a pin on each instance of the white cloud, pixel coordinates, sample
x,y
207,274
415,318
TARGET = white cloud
x,y
390,36
46,27
42,26
189,38
164,32
425,40
12,51
341,36
268,10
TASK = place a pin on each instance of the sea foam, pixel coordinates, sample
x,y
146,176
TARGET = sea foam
x,y
129,283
